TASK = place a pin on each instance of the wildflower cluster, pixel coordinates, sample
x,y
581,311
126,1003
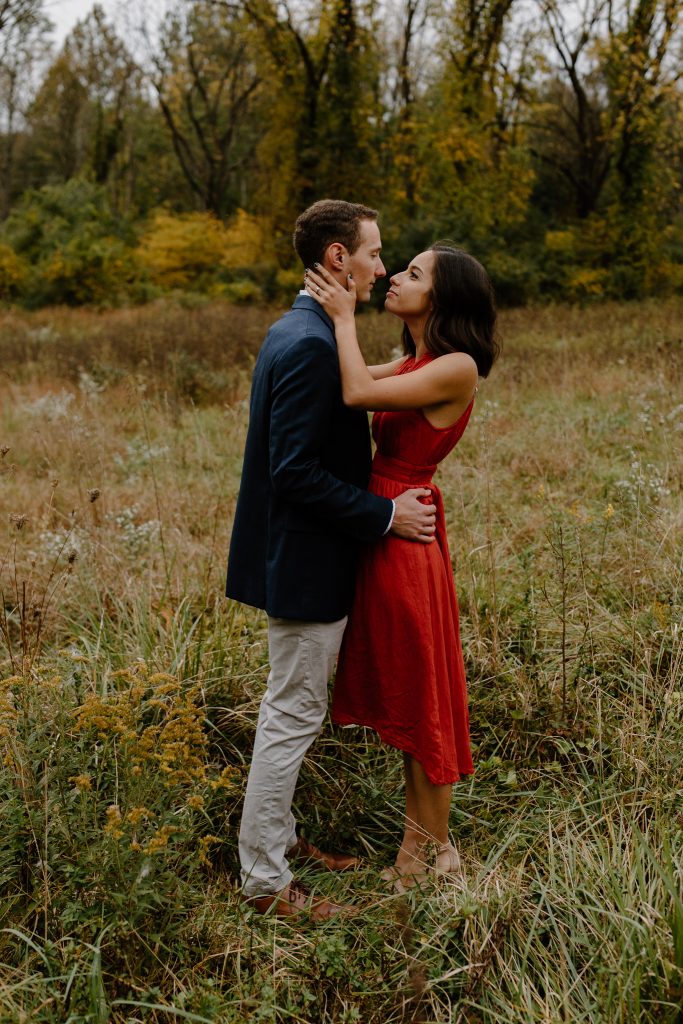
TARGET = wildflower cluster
x,y
575,509
645,482
153,721
150,744
136,536
51,407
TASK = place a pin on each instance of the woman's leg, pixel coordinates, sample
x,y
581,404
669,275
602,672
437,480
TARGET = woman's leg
x,y
427,813
432,804
413,837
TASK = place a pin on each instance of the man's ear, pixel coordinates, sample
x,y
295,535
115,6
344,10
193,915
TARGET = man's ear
x,y
335,256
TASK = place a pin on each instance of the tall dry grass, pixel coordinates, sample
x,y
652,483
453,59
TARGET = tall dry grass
x,y
131,690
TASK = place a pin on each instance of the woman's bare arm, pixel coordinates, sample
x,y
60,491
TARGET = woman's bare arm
x,y
450,379
382,370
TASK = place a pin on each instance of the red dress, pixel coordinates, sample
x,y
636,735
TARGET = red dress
x,y
401,669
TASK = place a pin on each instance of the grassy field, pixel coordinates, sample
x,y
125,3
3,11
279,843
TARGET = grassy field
x,y
131,687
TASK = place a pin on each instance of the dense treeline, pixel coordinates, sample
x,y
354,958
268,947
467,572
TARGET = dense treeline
x,y
173,152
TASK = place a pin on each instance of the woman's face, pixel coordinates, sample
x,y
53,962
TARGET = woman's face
x,y
410,293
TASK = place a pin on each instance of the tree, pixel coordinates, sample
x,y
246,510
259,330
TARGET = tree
x,y
410,52
15,12
24,46
82,117
568,129
640,78
480,179
207,83
606,122
72,243
324,107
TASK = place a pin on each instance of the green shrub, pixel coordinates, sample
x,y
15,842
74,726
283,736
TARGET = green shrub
x,y
75,249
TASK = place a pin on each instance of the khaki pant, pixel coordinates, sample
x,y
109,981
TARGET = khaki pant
x,y
302,657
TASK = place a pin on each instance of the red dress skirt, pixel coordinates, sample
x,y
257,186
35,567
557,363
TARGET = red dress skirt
x,y
401,669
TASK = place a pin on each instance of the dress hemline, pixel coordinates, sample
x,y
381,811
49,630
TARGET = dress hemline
x,y
400,745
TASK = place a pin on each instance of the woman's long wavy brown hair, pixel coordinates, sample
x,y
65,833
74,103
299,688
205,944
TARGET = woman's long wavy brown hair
x,y
463,317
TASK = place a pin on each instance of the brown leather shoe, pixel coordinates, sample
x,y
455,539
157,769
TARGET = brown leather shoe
x,y
304,852
293,901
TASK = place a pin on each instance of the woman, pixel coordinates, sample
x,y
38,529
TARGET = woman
x,y
401,669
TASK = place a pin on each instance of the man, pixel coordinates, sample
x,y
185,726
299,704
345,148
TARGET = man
x,y
302,516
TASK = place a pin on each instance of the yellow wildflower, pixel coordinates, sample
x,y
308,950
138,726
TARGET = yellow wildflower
x,y
82,782
137,814
114,819
203,847
160,840
228,779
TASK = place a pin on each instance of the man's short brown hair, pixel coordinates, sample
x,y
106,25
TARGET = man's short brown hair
x,y
328,221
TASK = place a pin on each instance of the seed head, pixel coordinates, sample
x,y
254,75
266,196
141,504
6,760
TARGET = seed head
x,y
18,519
94,494
3,450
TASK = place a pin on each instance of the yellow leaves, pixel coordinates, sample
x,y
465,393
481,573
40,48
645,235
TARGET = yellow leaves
x,y
662,614
288,281
177,250
247,240
12,271
461,146
560,241
587,282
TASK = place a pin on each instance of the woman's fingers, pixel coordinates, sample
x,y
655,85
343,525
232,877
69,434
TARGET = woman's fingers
x,y
313,283
321,278
330,293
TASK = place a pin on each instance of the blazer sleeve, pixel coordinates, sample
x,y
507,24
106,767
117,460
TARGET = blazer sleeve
x,y
305,392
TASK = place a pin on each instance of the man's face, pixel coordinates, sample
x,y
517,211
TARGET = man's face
x,y
365,265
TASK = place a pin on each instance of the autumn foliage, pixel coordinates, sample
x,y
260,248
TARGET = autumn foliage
x,y
544,136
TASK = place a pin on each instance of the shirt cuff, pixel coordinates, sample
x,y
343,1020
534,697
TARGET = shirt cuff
x,y
391,520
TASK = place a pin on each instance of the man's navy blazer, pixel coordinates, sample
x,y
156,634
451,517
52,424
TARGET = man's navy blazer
x,y
302,511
